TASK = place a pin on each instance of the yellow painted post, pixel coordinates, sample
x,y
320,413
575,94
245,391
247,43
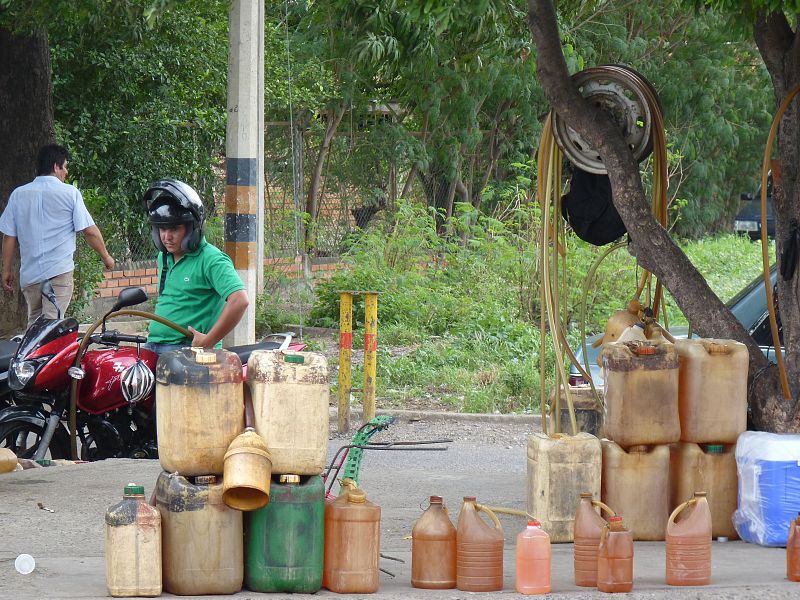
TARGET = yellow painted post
x,y
370,353
345,358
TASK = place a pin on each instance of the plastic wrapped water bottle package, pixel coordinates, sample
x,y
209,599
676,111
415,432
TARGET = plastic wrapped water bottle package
x,y
768,466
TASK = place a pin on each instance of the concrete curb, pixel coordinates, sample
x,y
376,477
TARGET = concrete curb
x,y
433,415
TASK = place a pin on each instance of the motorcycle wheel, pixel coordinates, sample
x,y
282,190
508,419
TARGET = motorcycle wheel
x,y
22,438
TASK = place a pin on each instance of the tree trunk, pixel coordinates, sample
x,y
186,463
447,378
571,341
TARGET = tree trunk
x,y
651,244
26,124
298,177
777,42
312,206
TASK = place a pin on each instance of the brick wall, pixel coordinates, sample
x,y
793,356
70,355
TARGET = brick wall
x,y
145,274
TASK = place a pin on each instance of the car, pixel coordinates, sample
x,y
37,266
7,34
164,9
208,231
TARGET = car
x,y
748,219
749,307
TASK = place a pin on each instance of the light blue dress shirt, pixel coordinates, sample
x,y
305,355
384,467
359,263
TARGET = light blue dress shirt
x,y
44,216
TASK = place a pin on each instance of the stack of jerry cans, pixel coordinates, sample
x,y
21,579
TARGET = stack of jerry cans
x,y
200,403
641,420
713,411
284,541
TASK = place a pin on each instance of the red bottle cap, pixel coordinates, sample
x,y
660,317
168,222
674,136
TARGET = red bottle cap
x,y
436,500
615,519
469,498
534,524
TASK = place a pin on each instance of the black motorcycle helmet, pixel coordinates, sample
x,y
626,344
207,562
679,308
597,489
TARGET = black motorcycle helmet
x,y
172,202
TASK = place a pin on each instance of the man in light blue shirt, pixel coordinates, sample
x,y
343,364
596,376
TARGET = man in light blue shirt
x,y
43,217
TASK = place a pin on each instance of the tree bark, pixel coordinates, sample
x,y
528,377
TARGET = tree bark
x,y
26,124
650,242
312,207
778,44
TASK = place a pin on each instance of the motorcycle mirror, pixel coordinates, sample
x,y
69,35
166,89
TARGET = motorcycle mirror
x,y
49,293
130,296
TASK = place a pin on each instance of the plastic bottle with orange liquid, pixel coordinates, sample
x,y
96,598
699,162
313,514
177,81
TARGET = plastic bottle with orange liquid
x,y
433,549
615,558
352,544
588,528
689,543
534,555
793,551
479,555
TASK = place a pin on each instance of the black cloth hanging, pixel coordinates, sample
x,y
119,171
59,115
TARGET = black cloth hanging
x,y
588,209
790,250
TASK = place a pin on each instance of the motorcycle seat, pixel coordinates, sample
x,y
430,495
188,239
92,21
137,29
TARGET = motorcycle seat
x,y
7,350
244,352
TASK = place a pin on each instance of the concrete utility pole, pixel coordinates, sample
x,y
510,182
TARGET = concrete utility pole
x,y
244,199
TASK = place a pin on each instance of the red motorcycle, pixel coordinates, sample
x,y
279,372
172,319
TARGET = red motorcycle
x,y
109,388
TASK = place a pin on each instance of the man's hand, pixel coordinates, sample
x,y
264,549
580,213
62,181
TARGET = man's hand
x,y
199,339
8,281
109,263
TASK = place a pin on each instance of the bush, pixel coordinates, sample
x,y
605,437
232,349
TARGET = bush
x,y
468,304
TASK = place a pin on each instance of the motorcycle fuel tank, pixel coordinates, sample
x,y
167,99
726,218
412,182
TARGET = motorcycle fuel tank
x,y
99,391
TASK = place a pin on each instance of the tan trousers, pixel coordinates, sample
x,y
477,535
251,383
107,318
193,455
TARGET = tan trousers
x,y
37,305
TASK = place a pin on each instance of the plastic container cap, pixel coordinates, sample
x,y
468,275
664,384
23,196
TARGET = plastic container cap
x,y
298,359
205,358
587,495
205,479
357,496
534,524
700,494
289,478
470,498
644,349
615,519
715,448
24,564
436,499
133,490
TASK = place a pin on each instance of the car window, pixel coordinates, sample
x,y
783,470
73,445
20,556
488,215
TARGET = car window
x,y
762,333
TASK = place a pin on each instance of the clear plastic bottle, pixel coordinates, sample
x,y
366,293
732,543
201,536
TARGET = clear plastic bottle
x,y
534,555
433,549
479,558
588,528
689,543
133,546
793,551
615,558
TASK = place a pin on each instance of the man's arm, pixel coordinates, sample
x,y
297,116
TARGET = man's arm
x,y
95,239
235,306
9,243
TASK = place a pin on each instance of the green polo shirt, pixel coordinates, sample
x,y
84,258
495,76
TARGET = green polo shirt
x,y
195,292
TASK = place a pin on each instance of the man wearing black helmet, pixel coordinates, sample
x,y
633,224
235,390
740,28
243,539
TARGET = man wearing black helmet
x,y
199,288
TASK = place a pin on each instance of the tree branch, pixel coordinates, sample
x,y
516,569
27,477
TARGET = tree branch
x,y
652,245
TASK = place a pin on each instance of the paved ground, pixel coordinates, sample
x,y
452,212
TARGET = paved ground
x,y
487,460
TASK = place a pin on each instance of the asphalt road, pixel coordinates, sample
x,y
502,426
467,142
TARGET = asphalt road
x,y
486,460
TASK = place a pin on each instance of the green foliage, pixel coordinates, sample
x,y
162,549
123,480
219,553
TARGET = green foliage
x,y
137,110
716,97
460,330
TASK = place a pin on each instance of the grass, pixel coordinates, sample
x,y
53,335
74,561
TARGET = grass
x,y
466,313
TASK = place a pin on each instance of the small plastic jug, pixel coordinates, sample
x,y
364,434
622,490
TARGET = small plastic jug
x,y
793,551
433,549
133,546
479,556
352,544
689,543
615,558
588,528
534,555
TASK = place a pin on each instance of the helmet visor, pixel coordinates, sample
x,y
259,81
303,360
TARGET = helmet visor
x,y
170,213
